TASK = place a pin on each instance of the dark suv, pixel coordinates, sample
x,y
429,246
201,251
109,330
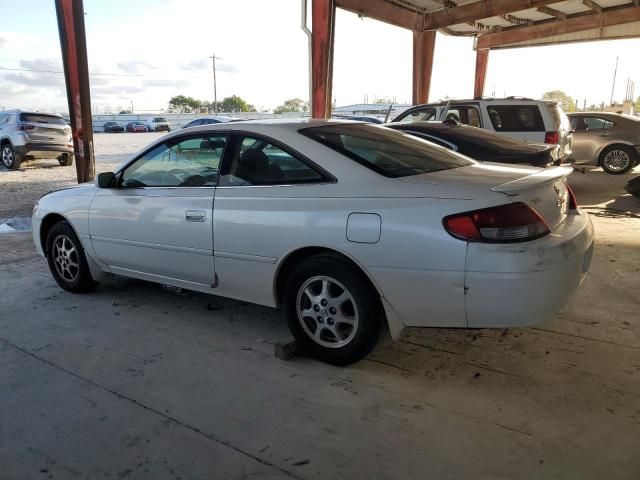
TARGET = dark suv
x,y
31,135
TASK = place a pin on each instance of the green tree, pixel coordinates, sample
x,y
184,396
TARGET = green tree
x,y
565,101
292,105
184,104
234,103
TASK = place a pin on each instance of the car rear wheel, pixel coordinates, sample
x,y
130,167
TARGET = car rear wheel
x,y
332,311
617,159
65,159
9,158
67,261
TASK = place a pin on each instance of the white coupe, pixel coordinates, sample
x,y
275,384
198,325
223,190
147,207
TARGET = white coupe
x,y
350,227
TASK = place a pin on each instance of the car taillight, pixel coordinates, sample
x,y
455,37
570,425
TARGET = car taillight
x,y
573,203
551,138
25,127
514,222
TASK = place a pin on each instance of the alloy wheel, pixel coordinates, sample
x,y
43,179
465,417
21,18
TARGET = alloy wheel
x,y
65,258
7,156
327,312
617,160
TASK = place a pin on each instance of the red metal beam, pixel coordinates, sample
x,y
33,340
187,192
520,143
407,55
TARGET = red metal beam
x,y
472,12
577,23
323,21
73,43
482,60
423,46
384,11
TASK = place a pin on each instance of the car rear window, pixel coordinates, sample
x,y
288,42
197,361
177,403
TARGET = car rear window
x,y
385,151
516,118
41,118
160,120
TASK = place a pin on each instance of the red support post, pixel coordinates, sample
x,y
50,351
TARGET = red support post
x,y
482,60
73,44
323,21
423,47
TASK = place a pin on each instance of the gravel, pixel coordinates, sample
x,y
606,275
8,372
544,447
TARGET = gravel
x,y
19,189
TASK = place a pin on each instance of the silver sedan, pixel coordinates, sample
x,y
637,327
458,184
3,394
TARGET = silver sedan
x,y
350,228
608,140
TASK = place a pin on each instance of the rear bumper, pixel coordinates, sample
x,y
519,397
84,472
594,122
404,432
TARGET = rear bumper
x,y
521,284
41,150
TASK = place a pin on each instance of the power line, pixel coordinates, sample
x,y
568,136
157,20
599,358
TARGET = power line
x,y
60,72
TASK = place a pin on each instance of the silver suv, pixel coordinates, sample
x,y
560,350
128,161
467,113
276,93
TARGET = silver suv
x,y
30,135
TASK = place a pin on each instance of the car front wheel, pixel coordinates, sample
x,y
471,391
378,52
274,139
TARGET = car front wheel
x,y
617,159
67,260
332,311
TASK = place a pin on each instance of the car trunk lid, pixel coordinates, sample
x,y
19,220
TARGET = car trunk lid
x,y
544,190
42,128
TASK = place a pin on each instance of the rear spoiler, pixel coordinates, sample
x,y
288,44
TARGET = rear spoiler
x,y
548,175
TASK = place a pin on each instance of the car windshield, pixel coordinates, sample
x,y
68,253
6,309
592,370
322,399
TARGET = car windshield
x,y
40,118
387,152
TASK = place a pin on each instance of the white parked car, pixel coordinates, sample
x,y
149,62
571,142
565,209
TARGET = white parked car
x,y
348,226
533,121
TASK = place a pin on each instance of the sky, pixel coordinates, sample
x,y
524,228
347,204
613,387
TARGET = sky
x,y
143,52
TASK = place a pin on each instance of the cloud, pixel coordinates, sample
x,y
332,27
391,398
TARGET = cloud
x,y
48,64
43,80
135,66
197,64
161,82
117,89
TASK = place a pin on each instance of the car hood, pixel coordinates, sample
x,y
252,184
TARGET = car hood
x,y
83,189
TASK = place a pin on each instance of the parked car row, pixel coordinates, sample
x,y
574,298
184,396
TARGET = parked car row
x,y
355,228
156,124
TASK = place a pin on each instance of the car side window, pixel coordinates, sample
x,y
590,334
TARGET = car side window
x,y
596,123
516,118
259,162
190,162
421,115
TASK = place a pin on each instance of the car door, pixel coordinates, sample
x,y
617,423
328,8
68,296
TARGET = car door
x,y
589,136
259,213
157,224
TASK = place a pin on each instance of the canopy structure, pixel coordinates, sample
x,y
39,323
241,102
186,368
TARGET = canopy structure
x,y
494,24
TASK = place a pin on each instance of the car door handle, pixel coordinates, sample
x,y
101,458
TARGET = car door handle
x,y
195,216
605,134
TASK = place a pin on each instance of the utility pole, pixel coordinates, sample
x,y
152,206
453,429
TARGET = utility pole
x,y
131,105
613,87
215,87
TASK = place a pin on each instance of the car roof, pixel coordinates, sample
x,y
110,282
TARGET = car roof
x,y
17,110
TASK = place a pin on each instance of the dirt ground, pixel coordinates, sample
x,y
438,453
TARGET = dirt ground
x,y
135,381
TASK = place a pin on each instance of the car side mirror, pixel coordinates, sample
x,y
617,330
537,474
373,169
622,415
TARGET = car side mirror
x,y
106,180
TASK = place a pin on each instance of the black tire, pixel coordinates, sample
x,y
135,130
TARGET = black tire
x,y
622,159
73,279
65,160
9,157
363,305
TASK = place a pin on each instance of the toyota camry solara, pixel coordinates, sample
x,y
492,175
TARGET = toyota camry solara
x,y
351,228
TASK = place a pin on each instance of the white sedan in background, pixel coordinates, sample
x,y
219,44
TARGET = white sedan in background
x,y
349,227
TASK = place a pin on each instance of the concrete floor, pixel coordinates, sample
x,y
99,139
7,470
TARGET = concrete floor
x,y
135,381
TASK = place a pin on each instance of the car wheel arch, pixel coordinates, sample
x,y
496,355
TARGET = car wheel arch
x,y
47,223
289,261
616,143
295,257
